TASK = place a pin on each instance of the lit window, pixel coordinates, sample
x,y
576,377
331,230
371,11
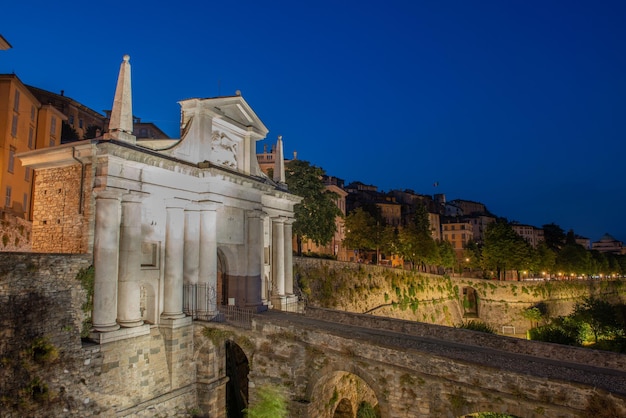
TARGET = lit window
x,y
7,198
11,159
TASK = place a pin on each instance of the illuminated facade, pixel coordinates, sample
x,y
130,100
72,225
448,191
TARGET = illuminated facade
x,y
25,124
176,226
458,234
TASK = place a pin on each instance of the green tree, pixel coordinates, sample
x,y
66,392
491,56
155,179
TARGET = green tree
x,y
472,255
546,258
600,315
92,131
554,236
533,314
504,249
315,215
68,134
573,258
361,230
271,403
417,246
447,258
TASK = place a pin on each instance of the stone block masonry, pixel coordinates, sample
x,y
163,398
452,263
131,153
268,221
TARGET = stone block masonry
x,y
41,300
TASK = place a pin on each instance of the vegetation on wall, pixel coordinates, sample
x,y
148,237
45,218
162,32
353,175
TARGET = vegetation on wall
x,y
271,403
24,389
86,279
477,326
594,323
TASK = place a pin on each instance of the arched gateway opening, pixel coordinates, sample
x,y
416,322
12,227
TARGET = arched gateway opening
x,y
342,394
237,369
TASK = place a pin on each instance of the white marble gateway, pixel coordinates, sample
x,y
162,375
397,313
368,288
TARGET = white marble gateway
x,y
181,226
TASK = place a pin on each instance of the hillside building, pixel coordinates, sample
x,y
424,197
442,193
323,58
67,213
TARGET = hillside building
x,y
608,244
25,124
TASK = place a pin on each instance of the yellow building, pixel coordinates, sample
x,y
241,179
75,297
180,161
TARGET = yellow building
x,y
25,124
458,234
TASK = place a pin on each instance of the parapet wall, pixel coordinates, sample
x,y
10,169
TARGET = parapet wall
x,y
563,353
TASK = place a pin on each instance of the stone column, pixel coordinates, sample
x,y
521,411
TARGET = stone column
x,y
129,293
208,259
289,256
278,255
264,290
174,253
106,260
254,276
191,259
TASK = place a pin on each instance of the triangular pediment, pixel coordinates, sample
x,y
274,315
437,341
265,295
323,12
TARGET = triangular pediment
x,y
222,131
233,109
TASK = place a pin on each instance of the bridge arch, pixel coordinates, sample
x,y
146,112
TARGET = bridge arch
x,y
237,371
338,389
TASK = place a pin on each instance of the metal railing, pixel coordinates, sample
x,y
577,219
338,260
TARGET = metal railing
x,y
200,302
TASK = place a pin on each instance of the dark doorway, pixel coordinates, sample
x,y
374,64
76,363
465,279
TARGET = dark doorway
x,y
237,369
470,303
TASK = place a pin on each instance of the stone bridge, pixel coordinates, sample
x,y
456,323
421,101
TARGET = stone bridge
x,y
330,362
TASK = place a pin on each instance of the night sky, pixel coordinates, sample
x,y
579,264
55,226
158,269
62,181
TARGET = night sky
x,y
520,105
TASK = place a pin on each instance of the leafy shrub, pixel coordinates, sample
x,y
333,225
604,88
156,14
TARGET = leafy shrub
x,y
271,403
366,410
553,334
477,326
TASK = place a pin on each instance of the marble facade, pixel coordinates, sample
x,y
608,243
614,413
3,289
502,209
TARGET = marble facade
x,y
180,226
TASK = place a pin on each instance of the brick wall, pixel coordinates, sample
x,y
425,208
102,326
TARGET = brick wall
x,y
61,220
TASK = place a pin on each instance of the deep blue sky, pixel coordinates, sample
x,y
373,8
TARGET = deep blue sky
x,y
520,105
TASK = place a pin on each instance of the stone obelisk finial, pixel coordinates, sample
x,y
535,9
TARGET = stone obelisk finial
x,y
279,162
121,122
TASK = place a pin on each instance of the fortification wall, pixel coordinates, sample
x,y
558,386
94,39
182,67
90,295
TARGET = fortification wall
x,y
47,370
416,296
15,232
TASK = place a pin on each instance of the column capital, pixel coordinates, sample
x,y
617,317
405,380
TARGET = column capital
x,y
256,213
132,198
109,194
176,203
208,205
289,221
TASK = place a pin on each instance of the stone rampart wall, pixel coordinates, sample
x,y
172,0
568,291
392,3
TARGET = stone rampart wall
x,y
42,300
416,296
15,233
